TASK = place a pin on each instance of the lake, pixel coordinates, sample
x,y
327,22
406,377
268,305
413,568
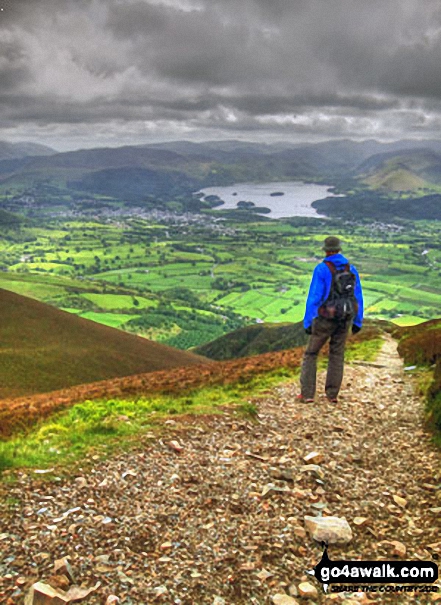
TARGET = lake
x,y
296,199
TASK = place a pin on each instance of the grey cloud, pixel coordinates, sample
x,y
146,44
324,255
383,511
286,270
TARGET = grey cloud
x,y
307,67
136,19
416,70
259,104
13,65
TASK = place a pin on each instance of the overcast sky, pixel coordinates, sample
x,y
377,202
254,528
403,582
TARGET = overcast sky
x,y
87,73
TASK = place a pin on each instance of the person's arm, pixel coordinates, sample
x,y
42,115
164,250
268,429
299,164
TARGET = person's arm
x,y
316,296
358,321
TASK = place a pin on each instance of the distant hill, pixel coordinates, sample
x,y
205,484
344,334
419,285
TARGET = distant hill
x,y
43,349
401,184
209,162
254,340
13,151
406,170
269,338
8,219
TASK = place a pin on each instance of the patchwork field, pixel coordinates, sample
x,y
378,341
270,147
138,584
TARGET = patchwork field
x,y
188,284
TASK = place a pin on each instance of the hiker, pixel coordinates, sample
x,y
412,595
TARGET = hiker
x,y
334,305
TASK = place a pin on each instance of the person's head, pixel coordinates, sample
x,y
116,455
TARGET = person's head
x,y
332,245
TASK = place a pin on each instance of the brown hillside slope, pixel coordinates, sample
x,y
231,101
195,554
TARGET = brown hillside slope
x,y
23,412
421,345
44,349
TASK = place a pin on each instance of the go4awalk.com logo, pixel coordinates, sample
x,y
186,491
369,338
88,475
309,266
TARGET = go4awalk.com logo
x,y
417,576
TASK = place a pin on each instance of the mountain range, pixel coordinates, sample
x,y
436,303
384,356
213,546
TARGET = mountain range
x,y
167,176
161,173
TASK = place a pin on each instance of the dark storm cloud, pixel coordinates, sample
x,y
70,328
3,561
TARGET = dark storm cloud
x,y
13,63
283,67
136,19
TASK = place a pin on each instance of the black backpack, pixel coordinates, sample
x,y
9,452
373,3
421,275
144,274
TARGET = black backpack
x,y
341,303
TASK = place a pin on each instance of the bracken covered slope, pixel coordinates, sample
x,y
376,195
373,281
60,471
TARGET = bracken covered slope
x,y
422,345
22,412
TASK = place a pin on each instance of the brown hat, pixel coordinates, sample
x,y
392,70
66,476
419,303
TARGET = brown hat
x,y
332,244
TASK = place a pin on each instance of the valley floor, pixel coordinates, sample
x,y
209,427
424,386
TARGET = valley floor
x,y
191,527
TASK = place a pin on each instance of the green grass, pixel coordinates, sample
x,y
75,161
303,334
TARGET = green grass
x,y
408,320
265,303
424,378
158,280
114,320
44,267
119,301
99,426
367,350
37,290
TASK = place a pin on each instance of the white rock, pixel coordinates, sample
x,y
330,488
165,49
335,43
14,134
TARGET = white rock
x,y
43,594
306,589
313,468
81,482
283,599
160,591
332,530
313,458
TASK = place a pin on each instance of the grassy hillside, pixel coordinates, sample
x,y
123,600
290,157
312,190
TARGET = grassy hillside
x,y
421,344
393,178
43,349
406,170
267,338
399,184
255,339
8,219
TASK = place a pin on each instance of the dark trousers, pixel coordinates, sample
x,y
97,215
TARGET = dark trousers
x,y
322,330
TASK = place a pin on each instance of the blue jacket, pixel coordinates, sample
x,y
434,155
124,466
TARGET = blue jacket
x,y
321,286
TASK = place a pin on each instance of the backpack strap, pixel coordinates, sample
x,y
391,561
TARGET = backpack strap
x,y
333,269
330,266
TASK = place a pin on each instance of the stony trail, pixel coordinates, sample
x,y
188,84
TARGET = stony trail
x,y
182,520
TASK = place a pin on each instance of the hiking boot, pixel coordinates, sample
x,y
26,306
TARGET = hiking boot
x,y
332,399
301,399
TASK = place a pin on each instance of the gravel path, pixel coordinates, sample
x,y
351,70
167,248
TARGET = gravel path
x,y
182,520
